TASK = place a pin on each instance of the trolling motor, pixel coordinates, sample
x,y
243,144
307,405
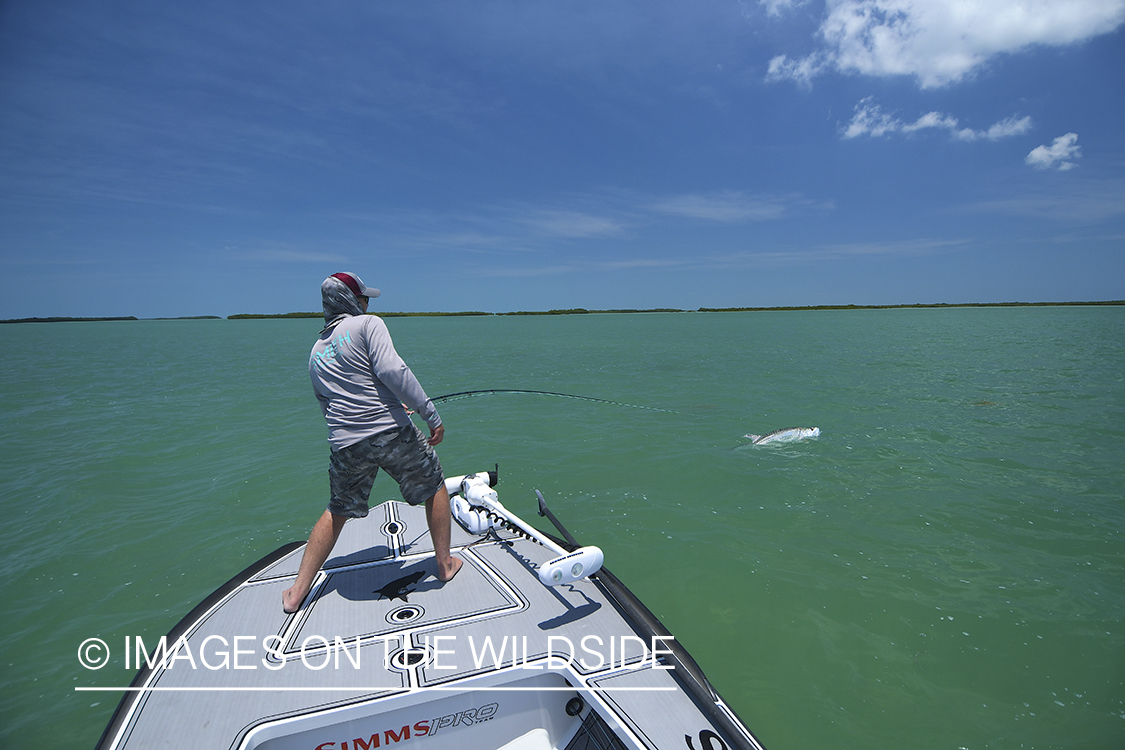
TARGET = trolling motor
x,y
473,502
476,507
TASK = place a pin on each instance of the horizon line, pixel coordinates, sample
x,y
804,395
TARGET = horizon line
x,y
575,311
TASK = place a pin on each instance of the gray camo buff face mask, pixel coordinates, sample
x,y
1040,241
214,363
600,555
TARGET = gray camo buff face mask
x,y
339,302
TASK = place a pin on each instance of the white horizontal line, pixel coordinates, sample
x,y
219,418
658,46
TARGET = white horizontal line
x,y
461,689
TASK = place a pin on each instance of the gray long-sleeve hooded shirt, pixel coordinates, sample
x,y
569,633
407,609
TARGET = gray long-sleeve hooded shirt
x,y
360,381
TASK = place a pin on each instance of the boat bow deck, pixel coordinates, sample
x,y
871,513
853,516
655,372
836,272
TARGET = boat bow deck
x,y
382,652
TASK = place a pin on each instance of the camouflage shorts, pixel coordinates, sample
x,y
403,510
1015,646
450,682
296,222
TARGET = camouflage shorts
x,y
403,453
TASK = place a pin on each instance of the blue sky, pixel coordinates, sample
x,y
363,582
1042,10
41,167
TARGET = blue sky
x,y
168,159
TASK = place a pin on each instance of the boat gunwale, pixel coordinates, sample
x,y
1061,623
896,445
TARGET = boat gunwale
x,y
698,687
124,707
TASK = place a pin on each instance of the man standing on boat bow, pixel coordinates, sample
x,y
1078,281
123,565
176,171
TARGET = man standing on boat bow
x,y
364,387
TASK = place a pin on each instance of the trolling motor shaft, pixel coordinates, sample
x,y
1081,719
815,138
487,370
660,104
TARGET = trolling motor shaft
x,y
476,507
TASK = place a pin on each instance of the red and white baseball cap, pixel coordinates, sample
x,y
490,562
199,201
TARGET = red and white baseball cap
x,y
356,284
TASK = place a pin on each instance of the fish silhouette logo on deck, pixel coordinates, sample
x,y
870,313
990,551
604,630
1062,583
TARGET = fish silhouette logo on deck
x,y
400,587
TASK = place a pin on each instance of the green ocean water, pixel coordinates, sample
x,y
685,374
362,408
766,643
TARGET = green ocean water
x,y
943,568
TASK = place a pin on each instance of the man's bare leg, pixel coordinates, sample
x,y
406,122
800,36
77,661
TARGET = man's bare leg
x,y
440,521
322,539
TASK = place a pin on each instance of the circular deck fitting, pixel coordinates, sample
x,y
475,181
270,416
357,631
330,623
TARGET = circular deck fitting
x,y
405,614
408,658
393,527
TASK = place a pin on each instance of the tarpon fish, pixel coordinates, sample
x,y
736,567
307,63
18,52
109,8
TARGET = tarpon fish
x,y
788,435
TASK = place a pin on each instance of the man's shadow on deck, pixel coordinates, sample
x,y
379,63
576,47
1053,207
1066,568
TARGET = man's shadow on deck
x,y
387,581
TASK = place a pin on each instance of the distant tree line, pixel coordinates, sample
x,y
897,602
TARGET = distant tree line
x,y
584,311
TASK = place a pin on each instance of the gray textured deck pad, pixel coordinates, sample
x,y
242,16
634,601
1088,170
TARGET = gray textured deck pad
x,y
213,718
365,591
362,540
374,600
367,539
415,537
571,611
669,716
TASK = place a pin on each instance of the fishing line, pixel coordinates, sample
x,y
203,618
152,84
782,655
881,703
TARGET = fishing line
x,y
778,436
488,391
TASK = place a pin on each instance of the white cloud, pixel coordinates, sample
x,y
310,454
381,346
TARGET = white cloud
x,y
737,260
783,256
904,248
870,119
1088,201
1003,129
280,255
1059,155
776,8
571,224
532,272
729,207
802,71
626,265
931,120
940,42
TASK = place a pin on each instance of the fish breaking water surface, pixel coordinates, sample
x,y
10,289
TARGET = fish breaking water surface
x,y
788,435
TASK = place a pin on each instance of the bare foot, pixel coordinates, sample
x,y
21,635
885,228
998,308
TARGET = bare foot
x,y
445,575
290,601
